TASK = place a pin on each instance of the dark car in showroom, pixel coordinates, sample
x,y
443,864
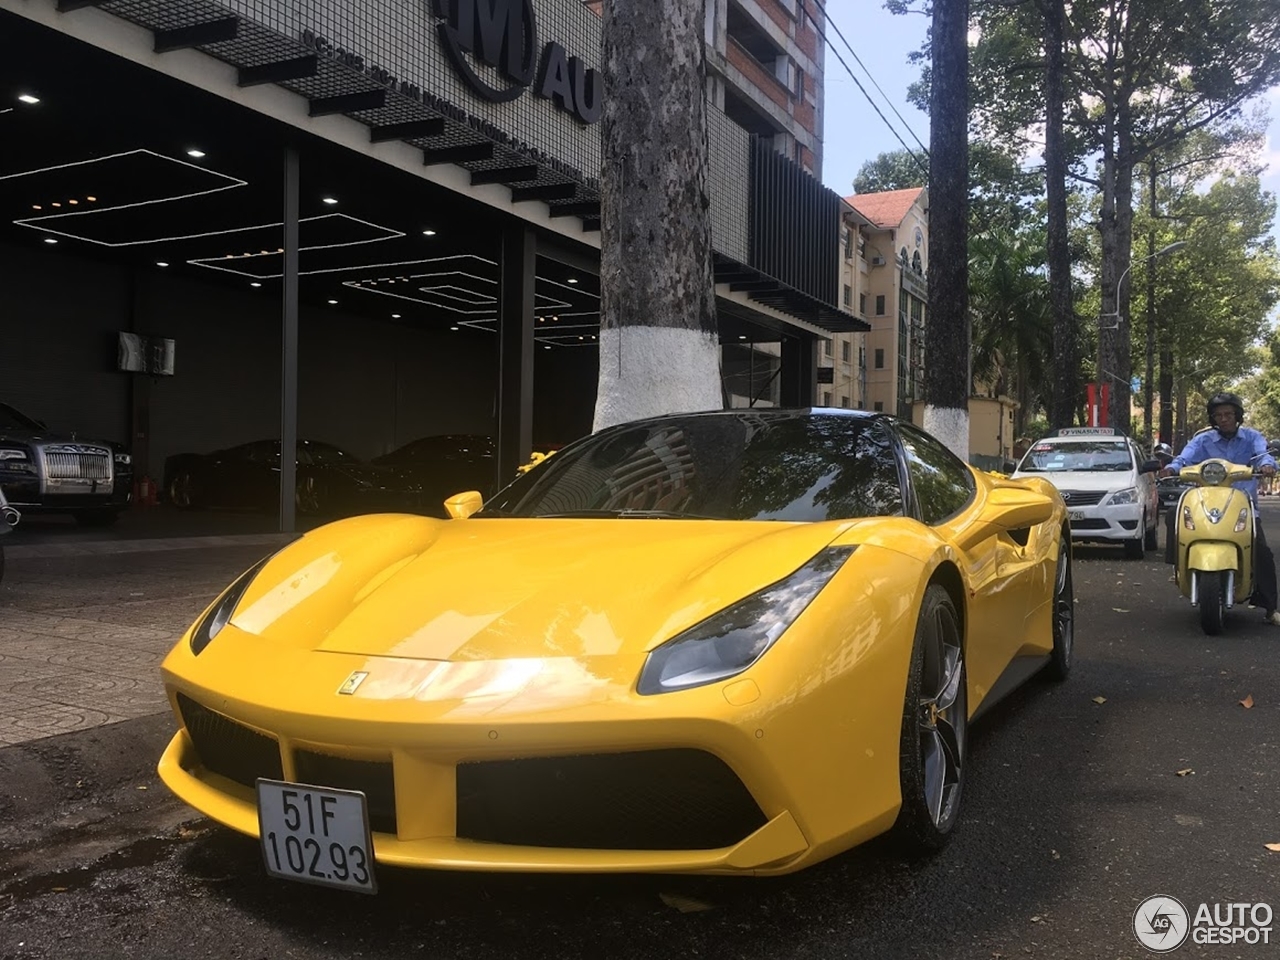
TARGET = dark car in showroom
x,y
330,481
44,471
446,464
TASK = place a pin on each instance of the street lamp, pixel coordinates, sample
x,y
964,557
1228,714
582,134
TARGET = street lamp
x,y
1169,248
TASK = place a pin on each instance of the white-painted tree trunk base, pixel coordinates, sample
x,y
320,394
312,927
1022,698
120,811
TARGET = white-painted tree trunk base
x,y
951,427
650,371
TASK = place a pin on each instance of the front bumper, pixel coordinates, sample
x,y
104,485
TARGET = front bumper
x,y
23,491
1122,522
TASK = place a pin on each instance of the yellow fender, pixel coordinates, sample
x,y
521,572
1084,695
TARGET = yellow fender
x,y
1213,556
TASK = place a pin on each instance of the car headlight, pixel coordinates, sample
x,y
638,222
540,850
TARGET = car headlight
x,y
123,459
730,641
15,459
220,614
1127,495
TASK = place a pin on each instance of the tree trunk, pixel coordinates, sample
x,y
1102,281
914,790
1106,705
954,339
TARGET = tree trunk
x,y
1166,388
1181,433
1065,386
947,363
1122,372
659,346
1148,386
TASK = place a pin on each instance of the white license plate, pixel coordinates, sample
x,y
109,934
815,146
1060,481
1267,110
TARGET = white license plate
x,y
316,835
1075,515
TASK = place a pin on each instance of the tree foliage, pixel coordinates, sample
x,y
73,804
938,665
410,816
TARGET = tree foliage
x,y
891,170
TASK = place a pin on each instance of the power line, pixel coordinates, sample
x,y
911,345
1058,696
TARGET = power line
x,y
892,129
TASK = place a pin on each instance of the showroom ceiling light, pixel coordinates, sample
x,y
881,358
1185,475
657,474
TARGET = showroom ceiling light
x,y
28,99
255,284
197,154
428,233
92,199
573,280
161,263
331,201
50,240
333,302
453,328
73,202
395,316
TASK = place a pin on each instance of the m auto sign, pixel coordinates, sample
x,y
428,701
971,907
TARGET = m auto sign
x,y
494,47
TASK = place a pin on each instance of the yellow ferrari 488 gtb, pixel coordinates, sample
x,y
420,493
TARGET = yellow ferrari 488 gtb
x,y
731,642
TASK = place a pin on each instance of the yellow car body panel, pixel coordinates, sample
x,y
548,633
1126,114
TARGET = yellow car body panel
x,y
493,639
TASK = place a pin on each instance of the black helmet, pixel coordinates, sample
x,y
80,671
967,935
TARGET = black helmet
x,y
1225,400
1163,450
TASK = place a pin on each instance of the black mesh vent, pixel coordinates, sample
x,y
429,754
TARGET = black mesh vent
x,y
1083,498
373,778
652,800
230,749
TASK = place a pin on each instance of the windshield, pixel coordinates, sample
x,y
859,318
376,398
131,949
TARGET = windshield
x,y
324,454
1081,456
11,419
723,466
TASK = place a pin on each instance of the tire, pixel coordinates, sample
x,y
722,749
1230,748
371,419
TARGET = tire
x,y
180,488
1,564
1136,549
1152,542
1212,597
935,730
96,518
1064,616
308,496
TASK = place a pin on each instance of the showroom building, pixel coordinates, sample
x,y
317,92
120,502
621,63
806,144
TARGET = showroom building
x,y
357,221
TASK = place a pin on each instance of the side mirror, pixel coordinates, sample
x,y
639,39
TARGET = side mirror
x,y
1015,508
1151,466
462,505
1009,466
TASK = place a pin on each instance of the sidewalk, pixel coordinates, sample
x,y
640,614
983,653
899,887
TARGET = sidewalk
x,y
84,624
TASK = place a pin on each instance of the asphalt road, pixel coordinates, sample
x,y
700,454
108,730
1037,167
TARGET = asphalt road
x,y
1143,774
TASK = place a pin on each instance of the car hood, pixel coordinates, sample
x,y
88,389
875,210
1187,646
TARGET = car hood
x,y
497,589
1083,479
49,436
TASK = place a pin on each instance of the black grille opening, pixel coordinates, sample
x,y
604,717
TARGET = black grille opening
x,y
1083,498
1091,523
374,778
228,748
651,800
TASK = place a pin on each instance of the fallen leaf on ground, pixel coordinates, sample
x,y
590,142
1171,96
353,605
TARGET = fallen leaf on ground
x,y
1099,699
1183,773
1035,919
682,903
1273,847
1119,609
1247,702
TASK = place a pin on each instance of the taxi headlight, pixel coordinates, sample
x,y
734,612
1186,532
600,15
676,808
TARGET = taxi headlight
x,y
1213,474
727,643
1127,495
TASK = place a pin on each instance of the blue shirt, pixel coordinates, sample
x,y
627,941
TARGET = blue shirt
x,y
1247,448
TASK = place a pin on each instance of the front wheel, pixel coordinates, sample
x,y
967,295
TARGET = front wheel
x,y
1064,615
1152,543
1212,597
1136,549
935,729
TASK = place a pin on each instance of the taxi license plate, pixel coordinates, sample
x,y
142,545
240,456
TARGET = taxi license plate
x,y
1075,515
316,835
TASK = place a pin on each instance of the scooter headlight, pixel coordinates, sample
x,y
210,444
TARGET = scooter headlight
x,y
1213,474
1242,521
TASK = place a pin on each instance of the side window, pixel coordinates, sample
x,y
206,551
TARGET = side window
x,y
943,484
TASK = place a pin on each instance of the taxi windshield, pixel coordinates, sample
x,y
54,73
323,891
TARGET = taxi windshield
x,y
1080,456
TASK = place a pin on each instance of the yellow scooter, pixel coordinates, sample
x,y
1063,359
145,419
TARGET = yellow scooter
x,y
1214,557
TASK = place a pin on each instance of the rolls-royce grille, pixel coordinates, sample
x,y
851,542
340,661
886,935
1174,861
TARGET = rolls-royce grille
x,y
1083,498
230,749
373,778
77,464
650,800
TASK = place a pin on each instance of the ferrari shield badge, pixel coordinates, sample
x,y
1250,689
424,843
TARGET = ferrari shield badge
x,y
352,683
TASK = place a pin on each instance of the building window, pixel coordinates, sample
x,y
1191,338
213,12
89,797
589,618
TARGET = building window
x,y
826,398
797,73
880,305
844,351
848,295
826,348
862,304
848,244
916,265
879,407
844,402
879,358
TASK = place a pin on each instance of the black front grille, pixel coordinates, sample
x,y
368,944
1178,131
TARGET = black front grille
x,y
373,778
651,800
230,749
1082,498
1092,524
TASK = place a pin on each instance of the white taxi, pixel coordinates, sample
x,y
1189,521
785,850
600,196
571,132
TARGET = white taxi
x,y
1109,489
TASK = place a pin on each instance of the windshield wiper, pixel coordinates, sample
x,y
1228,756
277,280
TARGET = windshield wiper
x,y
626,515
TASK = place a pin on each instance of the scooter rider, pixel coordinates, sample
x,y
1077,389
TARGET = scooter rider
x,y
1230,440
